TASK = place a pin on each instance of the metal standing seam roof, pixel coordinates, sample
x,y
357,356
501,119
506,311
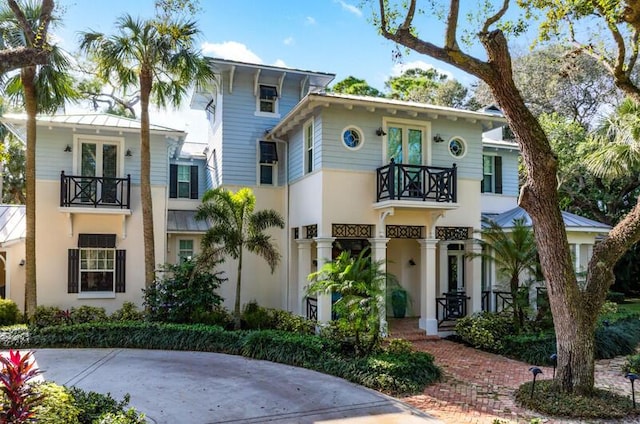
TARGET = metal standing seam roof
x,y
571,221
13,223
184,221
92,120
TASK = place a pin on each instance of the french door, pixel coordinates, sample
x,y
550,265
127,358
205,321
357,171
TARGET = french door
x,y
99,159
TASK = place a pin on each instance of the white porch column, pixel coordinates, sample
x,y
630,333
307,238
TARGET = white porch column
x,y
428,320
578,260
443,282
379,254
473,275
304,269
324,246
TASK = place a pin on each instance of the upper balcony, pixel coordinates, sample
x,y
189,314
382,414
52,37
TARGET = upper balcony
x,y
99,193
398,182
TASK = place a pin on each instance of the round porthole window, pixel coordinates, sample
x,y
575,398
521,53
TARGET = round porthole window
x,y
352,138
457,147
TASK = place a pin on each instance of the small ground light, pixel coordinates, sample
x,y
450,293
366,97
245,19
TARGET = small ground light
x,y
554,359
632,378
535,371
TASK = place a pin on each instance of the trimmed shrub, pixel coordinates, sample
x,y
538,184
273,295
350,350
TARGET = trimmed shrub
x,y
399,346
530,348
57,405
97,408
255,317
128,312
287,321
86,313
46,316
9,313
485,330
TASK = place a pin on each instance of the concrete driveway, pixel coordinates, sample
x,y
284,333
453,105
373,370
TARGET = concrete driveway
x,y
201,387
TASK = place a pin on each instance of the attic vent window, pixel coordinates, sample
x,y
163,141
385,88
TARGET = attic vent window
x,y
268,98
268,152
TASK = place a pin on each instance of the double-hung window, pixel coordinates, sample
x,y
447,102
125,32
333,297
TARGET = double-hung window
x,y
491,174
96,268
268,99
183,181
308,147
185,250
268,162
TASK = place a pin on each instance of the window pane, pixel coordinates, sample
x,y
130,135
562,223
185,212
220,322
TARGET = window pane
x,y
184,190
184,173
267,106
95,281
266,174
487,165
109,160
88,160
487,184
415,147
394,144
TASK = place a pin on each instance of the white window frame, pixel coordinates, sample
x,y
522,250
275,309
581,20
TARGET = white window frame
x,y
308,146
465,147
78,139
276,101
97,294
407,124
178,181
179,249
493,174
360,132
273,166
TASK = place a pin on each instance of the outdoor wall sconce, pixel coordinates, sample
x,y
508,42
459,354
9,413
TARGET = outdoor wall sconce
x,y
632,378
554,359
437,138
412,262
128,154
22,262
67,149
315,262
380,132
535,371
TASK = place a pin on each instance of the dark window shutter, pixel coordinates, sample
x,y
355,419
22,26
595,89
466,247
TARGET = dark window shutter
x,y
173,181
121,259
498,174
73,270
194,182
482,185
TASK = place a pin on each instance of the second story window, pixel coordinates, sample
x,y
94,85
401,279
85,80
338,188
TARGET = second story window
x,y
268,99
183,182
308,147
185,250
268,161
491,174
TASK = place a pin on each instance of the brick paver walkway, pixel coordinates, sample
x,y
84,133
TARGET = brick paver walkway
x,y
478,387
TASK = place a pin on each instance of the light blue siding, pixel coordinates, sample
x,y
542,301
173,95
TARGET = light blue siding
x,y
510,184
296,158
51,158
241,128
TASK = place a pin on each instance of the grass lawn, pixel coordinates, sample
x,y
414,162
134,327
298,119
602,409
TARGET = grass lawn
x,y
630,305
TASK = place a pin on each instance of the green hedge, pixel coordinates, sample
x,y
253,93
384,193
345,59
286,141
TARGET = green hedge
x,y
393,372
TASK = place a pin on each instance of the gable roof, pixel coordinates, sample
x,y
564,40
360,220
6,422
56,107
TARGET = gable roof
x,y
13,223
305,107
92,120
572,221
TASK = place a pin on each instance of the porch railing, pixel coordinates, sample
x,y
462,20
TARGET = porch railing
x,y
503,300
312,308
398,181
77,190
486,300
451,307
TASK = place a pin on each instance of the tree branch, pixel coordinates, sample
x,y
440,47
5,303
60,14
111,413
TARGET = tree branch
x,y
450,40
495,18
410,14
22,21
18,58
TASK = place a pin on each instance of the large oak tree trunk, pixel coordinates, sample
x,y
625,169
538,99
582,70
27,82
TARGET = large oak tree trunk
x,y
27,76
145,179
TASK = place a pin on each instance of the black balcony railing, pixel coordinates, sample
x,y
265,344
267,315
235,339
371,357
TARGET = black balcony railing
x,y
398,181
97,192
312,308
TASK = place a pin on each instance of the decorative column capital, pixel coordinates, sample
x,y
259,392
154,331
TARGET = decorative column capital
x,y
302,243
377,241
324,241
428,243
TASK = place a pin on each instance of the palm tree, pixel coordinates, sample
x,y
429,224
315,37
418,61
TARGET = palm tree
x,y
618,140
513,252
40,89
234,227
158,58
360,282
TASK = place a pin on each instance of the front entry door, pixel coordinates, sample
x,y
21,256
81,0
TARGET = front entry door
x,y
455,268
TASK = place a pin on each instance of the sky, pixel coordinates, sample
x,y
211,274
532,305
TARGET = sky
x,y
334,36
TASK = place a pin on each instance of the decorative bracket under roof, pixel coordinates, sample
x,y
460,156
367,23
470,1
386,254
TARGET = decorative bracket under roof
x,y
384,213
303,85
232,73
280,81
256,80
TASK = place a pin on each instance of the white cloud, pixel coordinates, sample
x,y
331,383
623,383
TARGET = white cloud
x,y
310,20
288,41
350,8
399,68
280,63
231,50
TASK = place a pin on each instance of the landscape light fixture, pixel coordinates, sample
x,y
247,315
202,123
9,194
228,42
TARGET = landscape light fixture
x,y
535,371
632,378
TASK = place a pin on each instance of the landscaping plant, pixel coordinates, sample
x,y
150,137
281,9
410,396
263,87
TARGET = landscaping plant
x,y
15,383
